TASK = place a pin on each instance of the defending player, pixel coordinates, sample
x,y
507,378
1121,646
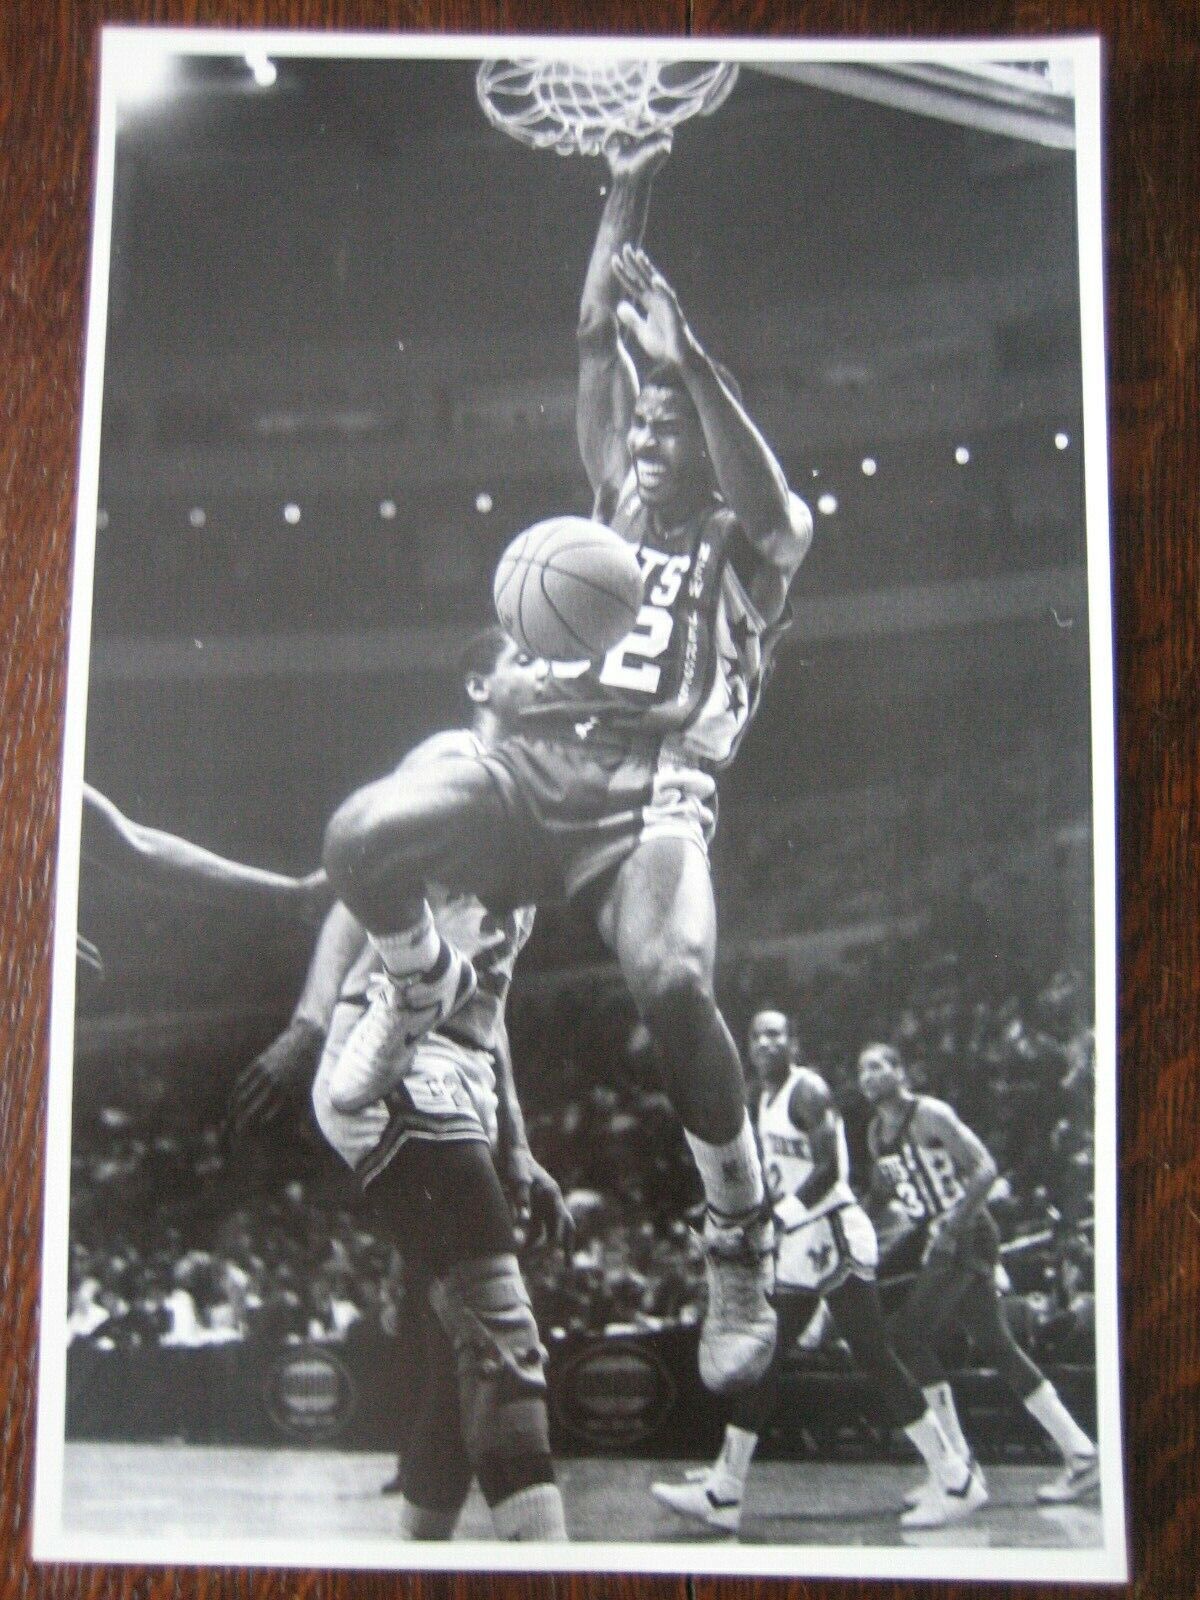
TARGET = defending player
x,y
425,1160
929,1166
598,795
826,1249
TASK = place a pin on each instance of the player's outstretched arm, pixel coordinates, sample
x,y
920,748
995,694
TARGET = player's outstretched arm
x,y
607,379
750,478
168,864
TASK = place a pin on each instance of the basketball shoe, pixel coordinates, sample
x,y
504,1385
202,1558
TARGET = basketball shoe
x,y
928,1484
940,1507
704,1497
737,1339
400,1012
1080,1477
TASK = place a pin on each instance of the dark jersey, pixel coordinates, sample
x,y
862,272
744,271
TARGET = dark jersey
x,y
920,1176
692,668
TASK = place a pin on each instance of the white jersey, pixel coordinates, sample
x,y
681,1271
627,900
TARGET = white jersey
x,y
787,1152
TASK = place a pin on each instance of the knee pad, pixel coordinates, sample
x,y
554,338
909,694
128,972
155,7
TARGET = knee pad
x,y
485,1310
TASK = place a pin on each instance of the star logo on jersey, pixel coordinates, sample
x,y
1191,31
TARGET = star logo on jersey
x,y
820,1255
735,686
741,633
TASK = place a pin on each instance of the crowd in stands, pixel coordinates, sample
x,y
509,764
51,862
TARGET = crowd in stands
x,y
181,1237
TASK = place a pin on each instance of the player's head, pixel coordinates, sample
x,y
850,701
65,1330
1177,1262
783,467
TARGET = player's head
x,y
880,1072
769,1044
666,442
498,676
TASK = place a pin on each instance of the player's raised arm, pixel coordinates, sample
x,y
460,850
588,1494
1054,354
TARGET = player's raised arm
x,y
607,379
751,480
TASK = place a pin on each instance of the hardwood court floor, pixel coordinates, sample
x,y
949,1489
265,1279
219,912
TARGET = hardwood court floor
x,y
189,1492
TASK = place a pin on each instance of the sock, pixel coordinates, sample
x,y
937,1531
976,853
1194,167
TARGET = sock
x,y
409,950
535,1513
732,1466
730,1173
1044,1405
945,1465
421,1522
940,1398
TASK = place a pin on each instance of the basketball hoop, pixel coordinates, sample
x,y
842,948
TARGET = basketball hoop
x,y
577,108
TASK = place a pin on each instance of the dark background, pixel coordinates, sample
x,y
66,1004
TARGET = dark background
x,y
1152,327
347,295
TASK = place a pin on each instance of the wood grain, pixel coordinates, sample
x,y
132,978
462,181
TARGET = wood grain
x,y
47,100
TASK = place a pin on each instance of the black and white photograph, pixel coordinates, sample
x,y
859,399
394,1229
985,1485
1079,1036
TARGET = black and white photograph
x,y
583,1031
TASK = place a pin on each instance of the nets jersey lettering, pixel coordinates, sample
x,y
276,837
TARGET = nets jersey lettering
x,y
635,665
694,662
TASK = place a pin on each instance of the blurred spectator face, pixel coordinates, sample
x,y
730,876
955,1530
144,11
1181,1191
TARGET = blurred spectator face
x,y
770,1044
880,1074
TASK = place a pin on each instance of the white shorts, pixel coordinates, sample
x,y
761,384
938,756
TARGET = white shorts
x,y
448,1093
821,1254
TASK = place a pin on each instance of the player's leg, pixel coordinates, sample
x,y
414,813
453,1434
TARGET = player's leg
x,y
982,1314
443,821
424,823
859,1317
435,1470
915,1332
714,1495
449,1211
660,918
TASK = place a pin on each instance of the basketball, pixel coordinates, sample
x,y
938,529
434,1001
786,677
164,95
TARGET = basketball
x,y
567,589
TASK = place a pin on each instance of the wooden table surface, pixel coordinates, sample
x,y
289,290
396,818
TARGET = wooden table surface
x,y
1152,127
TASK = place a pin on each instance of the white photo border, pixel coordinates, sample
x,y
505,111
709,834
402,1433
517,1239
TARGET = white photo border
x,y
123,47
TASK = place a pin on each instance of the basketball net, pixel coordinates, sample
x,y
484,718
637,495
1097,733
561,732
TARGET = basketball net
x,y
578,108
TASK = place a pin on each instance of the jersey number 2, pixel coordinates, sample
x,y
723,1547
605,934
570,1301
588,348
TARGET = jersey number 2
x,y
630,664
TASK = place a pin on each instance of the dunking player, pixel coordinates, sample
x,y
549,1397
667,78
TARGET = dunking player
x,y
426,1161
929,1166
597,796
826,1248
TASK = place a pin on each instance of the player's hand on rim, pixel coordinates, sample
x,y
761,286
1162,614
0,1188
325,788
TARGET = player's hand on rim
x,y
630,157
